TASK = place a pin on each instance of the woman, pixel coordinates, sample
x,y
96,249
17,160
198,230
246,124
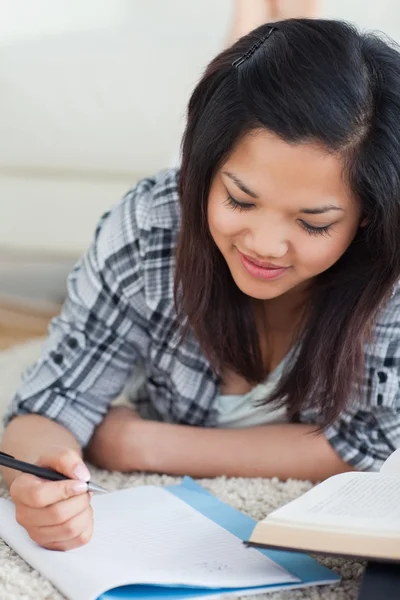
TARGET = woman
x,y
256,289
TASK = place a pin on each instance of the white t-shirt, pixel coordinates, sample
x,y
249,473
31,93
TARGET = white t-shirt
x,y
244,411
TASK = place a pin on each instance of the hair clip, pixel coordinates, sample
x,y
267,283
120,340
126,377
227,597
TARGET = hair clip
x,y
236,63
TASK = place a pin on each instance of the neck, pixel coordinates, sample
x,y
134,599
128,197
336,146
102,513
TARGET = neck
x,y
284,313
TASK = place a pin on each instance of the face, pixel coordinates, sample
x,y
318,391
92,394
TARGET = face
x,y
280,214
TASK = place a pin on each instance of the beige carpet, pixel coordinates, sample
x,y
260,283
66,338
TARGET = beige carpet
x,y
256,497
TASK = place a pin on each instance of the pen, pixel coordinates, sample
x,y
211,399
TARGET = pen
x,y
12,463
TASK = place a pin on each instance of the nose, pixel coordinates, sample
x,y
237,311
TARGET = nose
x,y
267,241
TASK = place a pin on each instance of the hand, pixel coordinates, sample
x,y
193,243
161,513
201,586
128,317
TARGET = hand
x,y
56,514
111,446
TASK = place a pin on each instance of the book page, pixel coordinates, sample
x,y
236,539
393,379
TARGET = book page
x,y
145,535
391,466
369,502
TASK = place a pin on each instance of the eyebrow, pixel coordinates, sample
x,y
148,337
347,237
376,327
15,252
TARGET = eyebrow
x,y
321,209
240,184
308,211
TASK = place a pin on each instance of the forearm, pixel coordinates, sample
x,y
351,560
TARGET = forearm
x,y
29,436
282,450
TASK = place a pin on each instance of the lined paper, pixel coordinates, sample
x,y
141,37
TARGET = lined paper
x,y
146,535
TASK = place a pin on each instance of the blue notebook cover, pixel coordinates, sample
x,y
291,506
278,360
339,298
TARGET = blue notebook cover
x,y
308,570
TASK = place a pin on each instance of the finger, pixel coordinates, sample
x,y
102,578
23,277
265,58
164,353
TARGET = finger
x,y
38,493
55,514
79,541
74,530
65,461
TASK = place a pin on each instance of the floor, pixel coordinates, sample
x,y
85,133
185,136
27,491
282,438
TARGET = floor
x,y
19,322
32,289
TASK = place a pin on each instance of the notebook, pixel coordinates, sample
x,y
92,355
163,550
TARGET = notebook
x,y
173,542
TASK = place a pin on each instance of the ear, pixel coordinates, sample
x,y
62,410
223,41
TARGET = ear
x,y
364,222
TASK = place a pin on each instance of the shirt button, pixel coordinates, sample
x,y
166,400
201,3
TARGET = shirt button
x,y
58,359
72,343
382,376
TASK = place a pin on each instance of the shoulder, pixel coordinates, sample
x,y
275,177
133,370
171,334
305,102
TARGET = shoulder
x,y
129,227
154,201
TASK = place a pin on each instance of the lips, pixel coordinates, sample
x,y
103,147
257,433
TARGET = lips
x,y
261,270
259,263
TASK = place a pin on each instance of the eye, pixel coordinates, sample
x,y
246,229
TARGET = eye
x,y
236,205
316,230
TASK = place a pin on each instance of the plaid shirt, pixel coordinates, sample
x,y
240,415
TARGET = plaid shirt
x,y
120,312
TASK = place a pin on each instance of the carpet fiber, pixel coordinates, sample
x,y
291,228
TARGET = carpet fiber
x,y
256,497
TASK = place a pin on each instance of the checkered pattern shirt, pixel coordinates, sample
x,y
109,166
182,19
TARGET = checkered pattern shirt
x,y
119,312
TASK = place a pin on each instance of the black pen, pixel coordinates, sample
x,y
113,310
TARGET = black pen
x,y
12,463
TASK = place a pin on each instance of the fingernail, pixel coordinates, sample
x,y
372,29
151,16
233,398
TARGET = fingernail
x,y
79,487
81,472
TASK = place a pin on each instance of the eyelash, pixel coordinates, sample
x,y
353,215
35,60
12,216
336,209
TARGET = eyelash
x,y
242,207
316,230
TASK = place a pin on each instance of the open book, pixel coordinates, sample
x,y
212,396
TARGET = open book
x,y
352,514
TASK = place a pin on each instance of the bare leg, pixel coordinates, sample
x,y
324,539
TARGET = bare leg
x,y
291,9
249,14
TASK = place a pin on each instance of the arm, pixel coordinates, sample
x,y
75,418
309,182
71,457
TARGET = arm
x,y
91,346
30,436
281,450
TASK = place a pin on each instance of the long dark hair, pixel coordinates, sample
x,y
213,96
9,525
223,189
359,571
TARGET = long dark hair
x,y
312,80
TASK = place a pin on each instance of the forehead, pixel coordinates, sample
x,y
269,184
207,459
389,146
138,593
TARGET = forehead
x,y
302,172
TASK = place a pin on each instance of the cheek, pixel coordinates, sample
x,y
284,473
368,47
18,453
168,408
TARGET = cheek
x,y
224,222
317,255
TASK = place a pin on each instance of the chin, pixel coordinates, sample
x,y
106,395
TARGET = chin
x,y
261,290
263,295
